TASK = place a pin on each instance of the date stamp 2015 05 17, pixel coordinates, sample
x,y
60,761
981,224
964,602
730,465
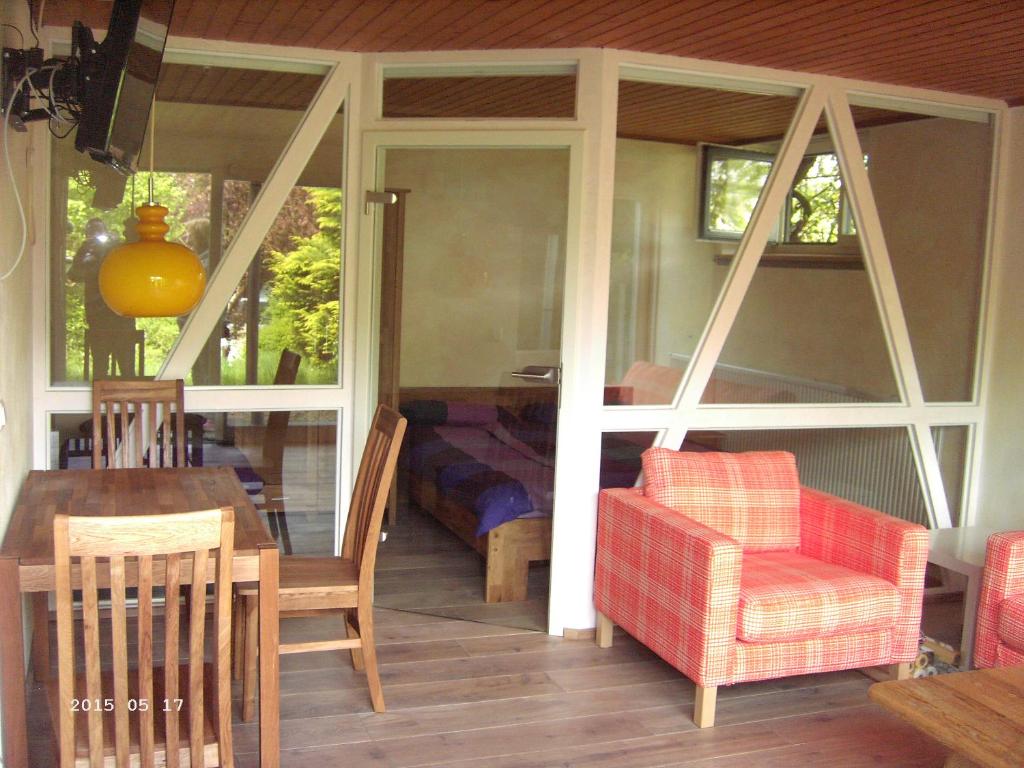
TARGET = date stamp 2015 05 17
x,y
134,705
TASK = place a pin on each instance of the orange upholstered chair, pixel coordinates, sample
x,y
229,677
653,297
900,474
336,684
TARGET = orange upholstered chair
x,y
728,569
999,634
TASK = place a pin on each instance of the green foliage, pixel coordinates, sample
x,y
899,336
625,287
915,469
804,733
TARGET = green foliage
x,y
302,311
185,195
735,184
300,264
814,208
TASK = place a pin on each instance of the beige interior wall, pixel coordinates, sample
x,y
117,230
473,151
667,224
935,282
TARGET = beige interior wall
x,y
930,179
1001,497
479,225
15,294
678,281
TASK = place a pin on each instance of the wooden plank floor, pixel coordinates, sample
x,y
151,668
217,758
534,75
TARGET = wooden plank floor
x,y
471,695
424,567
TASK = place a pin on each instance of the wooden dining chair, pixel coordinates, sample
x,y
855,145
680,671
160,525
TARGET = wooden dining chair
x,y
345,583
136,420
174,715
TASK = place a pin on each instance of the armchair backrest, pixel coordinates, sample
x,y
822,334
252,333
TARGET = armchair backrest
x,y
754,497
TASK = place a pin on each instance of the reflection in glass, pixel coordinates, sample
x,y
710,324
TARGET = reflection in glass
x,y
285,460
690,164
215,123
94,342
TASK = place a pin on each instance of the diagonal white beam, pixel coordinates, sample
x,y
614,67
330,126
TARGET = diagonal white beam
x,y
887,298
754,240
264,210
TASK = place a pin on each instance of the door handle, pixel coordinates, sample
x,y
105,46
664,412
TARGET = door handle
x,y
540,373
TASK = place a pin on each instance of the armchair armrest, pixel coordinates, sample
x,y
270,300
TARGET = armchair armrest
x,y
669,581
1003,577
866,540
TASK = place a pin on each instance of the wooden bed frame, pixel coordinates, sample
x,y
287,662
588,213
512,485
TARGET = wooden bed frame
x,y
510,548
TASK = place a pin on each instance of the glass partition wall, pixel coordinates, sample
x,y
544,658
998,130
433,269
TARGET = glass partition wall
x,y
834,313
219,133
850,314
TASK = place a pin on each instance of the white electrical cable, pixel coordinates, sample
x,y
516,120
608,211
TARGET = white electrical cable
x,y
10,173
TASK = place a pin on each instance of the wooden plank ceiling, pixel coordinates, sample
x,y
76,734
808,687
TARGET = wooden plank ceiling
x,y
650,111
964,46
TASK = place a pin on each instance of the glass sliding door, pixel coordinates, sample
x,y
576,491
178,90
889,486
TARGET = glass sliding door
x,y
472,245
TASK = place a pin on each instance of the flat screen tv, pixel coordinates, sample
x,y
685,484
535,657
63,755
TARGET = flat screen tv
x,y
118,80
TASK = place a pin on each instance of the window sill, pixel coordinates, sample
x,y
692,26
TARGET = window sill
x,y
843,255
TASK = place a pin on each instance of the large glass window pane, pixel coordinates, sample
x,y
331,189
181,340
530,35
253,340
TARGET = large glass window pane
x,y
930,178
874,467
292,301
285,460
809,329
690,165
212,123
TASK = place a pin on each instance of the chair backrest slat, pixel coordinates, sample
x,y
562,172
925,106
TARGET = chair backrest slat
x,y
172,631
128,545
119,634
133,419
146,735
196,632
372,487
91,648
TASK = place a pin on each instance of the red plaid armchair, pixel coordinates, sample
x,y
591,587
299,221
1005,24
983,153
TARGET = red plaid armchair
x,y
999,633
728,569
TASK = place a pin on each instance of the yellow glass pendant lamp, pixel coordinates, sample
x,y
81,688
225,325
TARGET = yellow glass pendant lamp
x,y
151,277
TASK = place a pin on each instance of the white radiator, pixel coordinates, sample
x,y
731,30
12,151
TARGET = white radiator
x,y
871,466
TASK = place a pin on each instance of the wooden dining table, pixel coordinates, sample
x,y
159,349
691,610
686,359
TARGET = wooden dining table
x,y
27,567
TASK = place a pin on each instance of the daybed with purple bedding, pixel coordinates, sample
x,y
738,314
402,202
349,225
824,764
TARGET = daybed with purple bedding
x,y
481,460
487,474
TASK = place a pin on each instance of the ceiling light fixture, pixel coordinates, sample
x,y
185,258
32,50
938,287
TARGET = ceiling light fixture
x,y
152,277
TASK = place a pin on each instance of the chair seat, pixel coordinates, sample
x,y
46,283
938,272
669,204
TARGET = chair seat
x,y
1011,622
788,596
308,583
211,757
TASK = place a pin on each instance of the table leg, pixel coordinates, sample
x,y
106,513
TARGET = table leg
x,y
971,594
40,636
270,677
12,666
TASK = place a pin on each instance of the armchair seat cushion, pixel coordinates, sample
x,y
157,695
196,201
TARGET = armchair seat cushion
x,y
787,596
1011,622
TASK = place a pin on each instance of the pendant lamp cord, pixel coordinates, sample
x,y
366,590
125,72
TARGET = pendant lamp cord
x,y
152,142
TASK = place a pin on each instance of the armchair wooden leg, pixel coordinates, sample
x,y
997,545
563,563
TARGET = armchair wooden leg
x,y
605,628
249,672
704,706
900,671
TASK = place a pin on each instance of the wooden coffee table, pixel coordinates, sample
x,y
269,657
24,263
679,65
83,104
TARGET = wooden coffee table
x,y
979,715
